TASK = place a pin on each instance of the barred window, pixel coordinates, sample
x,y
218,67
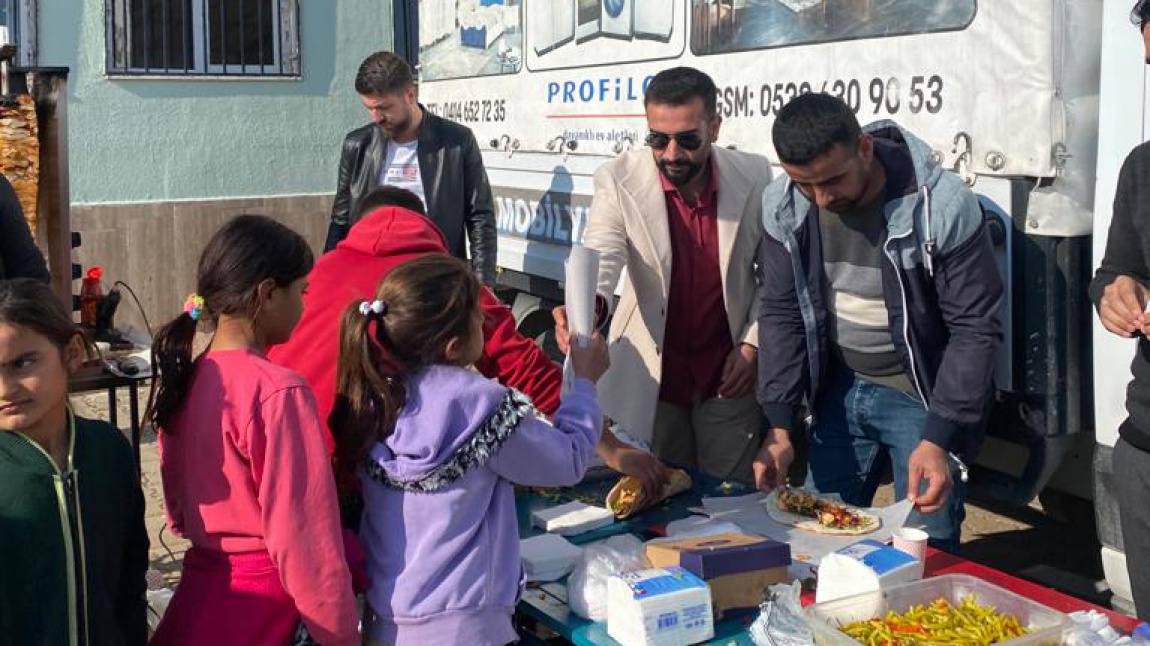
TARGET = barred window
x,y
203,38
17,17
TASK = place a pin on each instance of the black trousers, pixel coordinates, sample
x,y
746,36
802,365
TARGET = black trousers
x,y
1132,488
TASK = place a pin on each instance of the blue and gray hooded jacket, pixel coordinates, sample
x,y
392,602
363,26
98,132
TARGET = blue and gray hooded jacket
x,y
942,292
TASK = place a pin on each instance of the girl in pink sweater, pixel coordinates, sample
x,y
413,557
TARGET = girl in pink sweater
x,y
245,469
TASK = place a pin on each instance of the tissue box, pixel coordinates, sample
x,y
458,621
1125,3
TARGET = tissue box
x,y
572,518
737,567
865,566
659,607
666,553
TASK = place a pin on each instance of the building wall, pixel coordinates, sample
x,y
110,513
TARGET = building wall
x,y
157,164
154,246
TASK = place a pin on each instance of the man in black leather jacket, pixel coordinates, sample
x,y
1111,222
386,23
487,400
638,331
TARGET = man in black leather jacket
x,y
407,146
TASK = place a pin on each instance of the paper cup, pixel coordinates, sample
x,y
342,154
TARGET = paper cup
x,y
912,541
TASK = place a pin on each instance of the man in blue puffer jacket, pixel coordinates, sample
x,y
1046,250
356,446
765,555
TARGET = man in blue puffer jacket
x,y
881,307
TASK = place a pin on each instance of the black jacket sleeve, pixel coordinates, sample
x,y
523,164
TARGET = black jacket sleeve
x,y
20,255
480,216
783,365
969,297
1124,254
341,206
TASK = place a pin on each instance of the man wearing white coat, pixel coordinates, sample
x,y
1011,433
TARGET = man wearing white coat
x,y
683,217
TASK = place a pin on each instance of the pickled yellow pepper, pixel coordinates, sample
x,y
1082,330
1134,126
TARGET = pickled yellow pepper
x,y
938,624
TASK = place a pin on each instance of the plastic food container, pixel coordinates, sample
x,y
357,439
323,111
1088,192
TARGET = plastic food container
x,y
1046,625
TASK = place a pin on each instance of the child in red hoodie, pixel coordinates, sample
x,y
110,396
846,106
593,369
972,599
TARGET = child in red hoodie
x,y
392,229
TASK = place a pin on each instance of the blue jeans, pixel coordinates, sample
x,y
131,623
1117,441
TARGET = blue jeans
x,y
861,428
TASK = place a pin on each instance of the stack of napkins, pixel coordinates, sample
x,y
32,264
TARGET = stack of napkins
x,y
659,607
572,518
865,566
548,557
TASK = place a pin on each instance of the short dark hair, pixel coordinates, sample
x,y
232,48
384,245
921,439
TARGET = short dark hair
x,y
679,85
1140,14
33,305
810,125
390,196
383,73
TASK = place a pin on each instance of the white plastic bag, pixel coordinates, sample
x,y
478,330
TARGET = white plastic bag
x,y
587,585
157,605
1092,628
781,621
158,595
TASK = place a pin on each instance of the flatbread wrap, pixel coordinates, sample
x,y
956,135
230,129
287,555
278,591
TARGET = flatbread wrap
x,y
811,512
623,499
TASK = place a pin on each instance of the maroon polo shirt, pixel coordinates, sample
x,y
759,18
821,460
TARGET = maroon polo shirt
x,y
697,337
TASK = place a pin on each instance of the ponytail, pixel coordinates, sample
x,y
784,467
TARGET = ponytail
x,y
171,369
420,306
369,390
243,253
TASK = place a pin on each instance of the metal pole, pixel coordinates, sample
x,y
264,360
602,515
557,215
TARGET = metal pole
x,y
280,34
260,31
185,33
110,17
165,25
224,34
204,32
243,40
147,35
128,34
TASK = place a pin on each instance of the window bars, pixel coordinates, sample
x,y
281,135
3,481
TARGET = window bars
x,y
216,38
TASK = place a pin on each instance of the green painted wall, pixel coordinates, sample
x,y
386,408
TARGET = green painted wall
x,y
157,140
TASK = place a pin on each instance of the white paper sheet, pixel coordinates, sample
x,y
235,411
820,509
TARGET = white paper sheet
x,y
579,293
548,557
750,513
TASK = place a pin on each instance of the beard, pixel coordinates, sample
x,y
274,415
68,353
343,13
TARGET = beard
x,y
679,173
843,206
397,126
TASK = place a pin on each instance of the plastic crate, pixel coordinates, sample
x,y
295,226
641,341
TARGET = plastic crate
x,y
1047,626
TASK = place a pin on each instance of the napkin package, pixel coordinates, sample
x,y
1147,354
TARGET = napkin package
x,y
548,557
865,566
659,607
571,519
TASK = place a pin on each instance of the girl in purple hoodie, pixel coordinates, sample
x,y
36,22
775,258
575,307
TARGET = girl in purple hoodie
x,y
438,448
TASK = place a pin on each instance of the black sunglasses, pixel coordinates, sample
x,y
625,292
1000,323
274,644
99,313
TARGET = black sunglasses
x,y
689,141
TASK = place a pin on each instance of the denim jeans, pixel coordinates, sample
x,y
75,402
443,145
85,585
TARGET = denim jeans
x,y
860,429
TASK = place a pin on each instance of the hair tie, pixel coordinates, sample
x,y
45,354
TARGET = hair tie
x,y
370,309
194,306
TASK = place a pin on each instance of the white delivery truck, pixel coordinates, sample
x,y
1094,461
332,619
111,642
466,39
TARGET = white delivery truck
x,y
1007,92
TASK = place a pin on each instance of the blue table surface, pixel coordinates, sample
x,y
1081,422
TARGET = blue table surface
x,y
547,603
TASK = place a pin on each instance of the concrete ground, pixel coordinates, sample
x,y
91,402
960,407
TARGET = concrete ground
x,y
1022,541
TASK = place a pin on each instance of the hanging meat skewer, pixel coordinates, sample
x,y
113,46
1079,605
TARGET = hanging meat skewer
x,y
20,146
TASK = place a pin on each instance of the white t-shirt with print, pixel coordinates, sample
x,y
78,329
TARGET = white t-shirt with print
x,y
401,168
